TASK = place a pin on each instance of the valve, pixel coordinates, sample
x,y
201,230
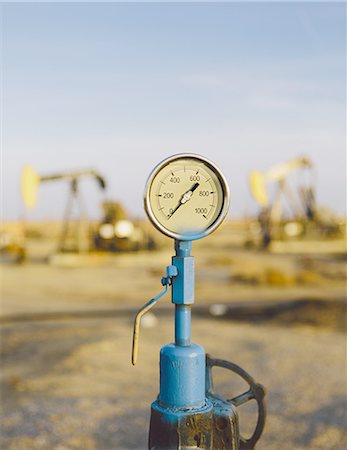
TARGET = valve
x,y
189,413
187,198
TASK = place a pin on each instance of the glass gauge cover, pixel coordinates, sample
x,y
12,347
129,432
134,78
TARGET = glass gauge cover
x,y
186,197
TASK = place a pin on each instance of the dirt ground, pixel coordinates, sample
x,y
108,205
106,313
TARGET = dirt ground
x,y
70,385
66,377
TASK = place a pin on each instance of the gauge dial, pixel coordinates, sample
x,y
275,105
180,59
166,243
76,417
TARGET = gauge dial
x,y
186,197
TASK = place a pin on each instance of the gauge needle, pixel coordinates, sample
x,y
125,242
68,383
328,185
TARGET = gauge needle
x,y
184,199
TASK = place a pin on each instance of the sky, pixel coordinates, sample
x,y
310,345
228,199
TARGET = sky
x,y
120,86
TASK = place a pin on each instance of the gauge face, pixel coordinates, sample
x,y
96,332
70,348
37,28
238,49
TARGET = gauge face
x,y
186,197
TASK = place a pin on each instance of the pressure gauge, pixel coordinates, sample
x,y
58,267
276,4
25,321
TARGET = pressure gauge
x,y
186,197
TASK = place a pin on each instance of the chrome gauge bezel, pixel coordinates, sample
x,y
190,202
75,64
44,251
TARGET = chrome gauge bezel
x,y
214,225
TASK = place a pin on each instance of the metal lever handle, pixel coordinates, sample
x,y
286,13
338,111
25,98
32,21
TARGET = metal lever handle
x,y
137,322
171,272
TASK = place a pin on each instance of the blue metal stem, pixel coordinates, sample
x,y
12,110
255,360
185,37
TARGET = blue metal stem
x,y
183,311
182,325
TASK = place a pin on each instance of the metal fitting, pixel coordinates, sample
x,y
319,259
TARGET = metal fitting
x,y
171,272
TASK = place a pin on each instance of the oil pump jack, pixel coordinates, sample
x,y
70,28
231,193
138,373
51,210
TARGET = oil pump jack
x,y
301,203
304,217
30,182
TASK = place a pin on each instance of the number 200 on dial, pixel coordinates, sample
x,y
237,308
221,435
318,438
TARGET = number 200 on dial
x,y
186,197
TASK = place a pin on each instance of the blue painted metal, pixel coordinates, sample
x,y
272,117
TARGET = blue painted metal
x,y
183,248
183,288
182,376
182,364
183,291
175,429
171,272
182,325
181,417
188,413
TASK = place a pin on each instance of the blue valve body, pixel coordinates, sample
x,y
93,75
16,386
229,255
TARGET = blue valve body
x,y
182,402
182,364
182,376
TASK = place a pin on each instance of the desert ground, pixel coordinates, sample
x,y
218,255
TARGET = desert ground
x,y
67,381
